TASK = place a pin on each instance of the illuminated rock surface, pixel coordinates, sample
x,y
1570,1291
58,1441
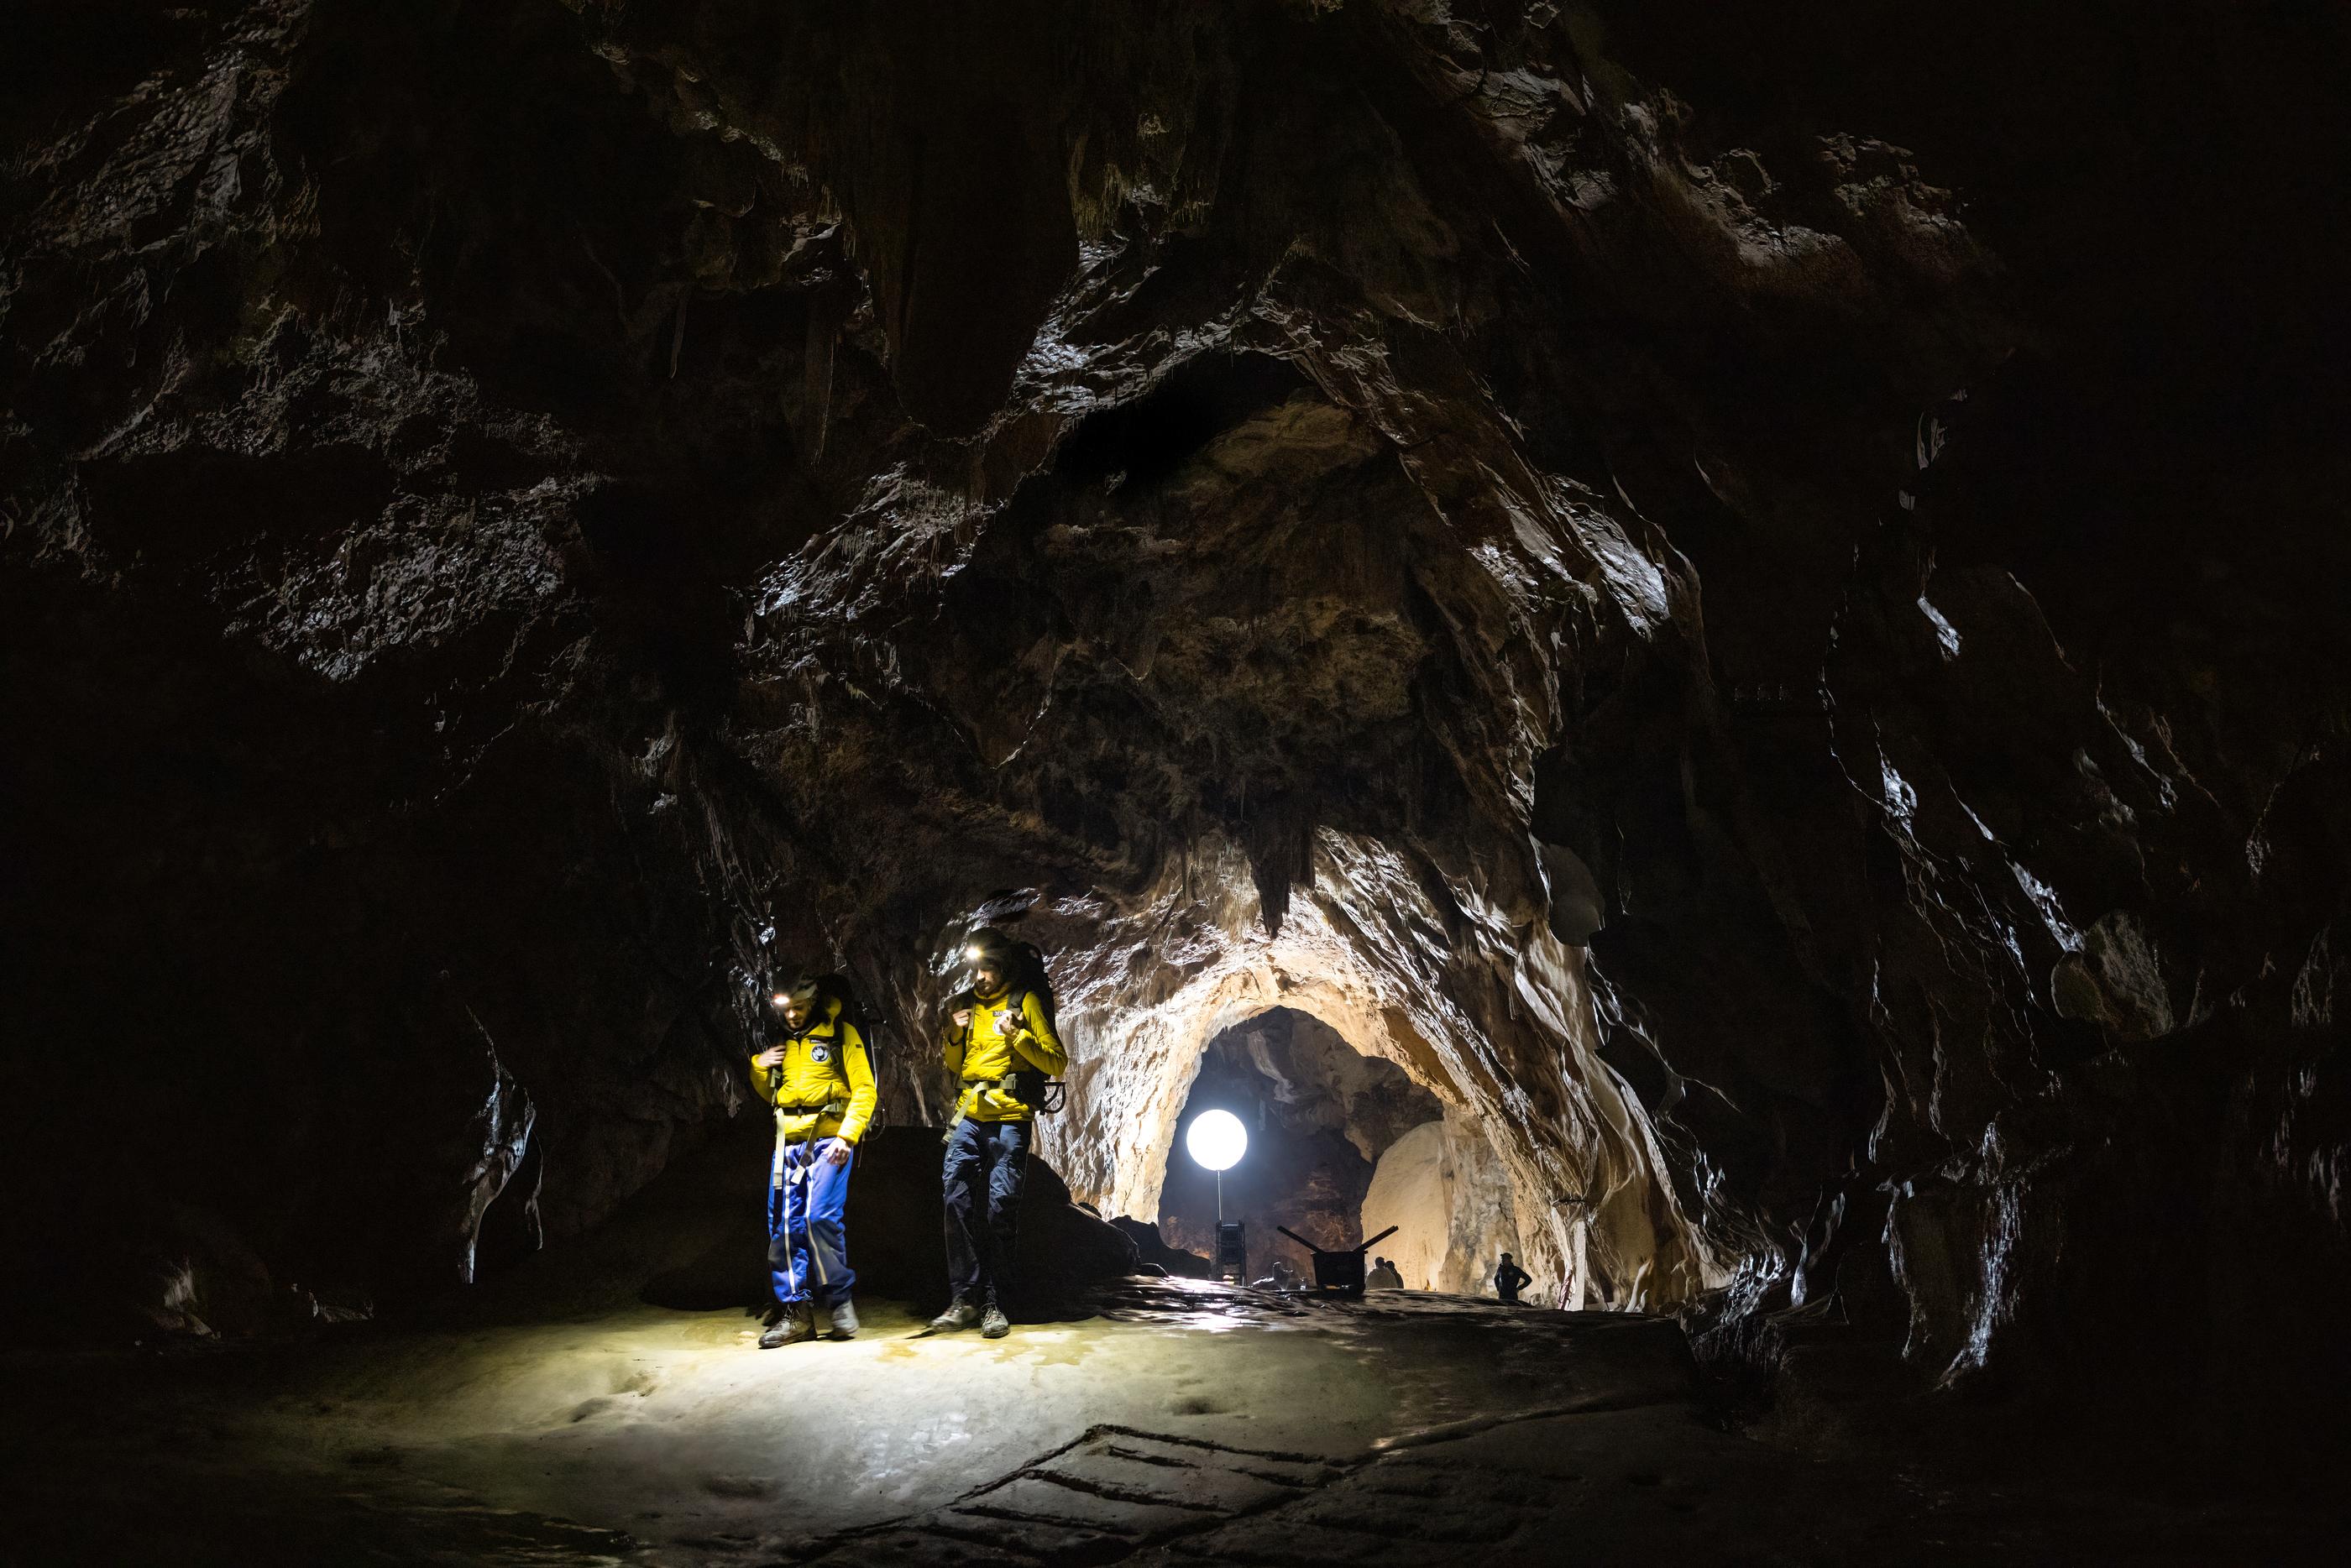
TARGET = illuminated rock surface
x,y
1447,1193
1196,1424
1750,593
553,1419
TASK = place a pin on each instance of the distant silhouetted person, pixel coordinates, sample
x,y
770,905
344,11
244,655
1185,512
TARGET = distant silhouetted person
x,y
1509,1280
1279,1276
1384,1276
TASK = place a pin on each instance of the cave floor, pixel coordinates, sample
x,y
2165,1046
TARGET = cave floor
x,y
1187,1422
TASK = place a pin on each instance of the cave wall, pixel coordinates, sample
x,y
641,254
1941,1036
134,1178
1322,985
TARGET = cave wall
x,y
1449,1196
1748,592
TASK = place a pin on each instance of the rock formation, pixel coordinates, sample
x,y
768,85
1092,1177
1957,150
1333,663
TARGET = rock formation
x,y
1448,1195
1748,592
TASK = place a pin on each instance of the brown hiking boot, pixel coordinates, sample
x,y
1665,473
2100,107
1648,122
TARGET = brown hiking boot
x,y
796,1325
959,1314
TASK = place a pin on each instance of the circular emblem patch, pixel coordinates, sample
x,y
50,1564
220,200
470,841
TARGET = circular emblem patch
x,y
819,1054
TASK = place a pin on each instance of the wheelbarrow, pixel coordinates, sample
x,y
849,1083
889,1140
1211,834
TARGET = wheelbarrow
x,y
1338,1274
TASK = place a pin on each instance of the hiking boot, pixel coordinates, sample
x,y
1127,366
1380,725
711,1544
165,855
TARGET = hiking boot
x,y
844,1320
959,1314
796,1325
994,1325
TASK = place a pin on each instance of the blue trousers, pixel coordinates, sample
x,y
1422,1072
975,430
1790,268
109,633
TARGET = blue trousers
x,y
986,1164
808,1247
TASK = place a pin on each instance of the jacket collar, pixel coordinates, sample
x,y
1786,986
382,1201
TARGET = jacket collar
x,y
825,1025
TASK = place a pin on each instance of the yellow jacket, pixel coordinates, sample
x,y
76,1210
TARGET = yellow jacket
x,y
825,1087
982,1053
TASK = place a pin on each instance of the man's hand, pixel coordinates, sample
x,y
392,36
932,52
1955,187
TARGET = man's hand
x,y
962,1018
836,1150
1008,1023
770,1059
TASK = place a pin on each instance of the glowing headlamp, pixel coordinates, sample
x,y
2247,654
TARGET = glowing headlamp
x,y
778,999
973,953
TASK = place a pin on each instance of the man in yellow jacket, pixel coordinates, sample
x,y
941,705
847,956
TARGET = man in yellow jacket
x,y
817,1074
999,1041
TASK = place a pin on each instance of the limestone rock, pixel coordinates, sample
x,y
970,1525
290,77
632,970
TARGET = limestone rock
x,y
1448,1194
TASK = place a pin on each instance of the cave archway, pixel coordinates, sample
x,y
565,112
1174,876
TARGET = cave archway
x,y
1463,988
1342,1145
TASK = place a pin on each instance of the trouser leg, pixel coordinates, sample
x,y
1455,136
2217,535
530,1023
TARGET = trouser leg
x,y
787,1235
826,1197
1008,1168
965,1204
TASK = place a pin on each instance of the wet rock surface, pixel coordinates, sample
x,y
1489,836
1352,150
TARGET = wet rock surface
x,y
1188,1423
1749,594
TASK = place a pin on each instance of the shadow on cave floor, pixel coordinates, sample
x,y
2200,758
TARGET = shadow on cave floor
x,y
1188,1421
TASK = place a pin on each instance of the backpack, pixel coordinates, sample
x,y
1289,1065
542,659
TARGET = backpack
x,y
836,988
1028,979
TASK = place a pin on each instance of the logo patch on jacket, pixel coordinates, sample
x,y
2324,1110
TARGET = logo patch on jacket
x,y
819,1054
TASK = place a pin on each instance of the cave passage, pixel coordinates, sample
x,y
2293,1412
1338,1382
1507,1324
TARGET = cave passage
x,y
1319,1116
1691,642
1342,1145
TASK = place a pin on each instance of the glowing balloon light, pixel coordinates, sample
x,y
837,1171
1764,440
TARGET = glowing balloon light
x,y
1215,1139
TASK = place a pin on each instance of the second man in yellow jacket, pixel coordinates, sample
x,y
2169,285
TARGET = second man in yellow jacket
x,y
999,1041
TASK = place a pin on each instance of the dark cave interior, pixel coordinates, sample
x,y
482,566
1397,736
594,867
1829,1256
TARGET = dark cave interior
x,y
1701,643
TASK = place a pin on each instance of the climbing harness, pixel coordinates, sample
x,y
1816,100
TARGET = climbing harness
x,y
1029,1085
803,1175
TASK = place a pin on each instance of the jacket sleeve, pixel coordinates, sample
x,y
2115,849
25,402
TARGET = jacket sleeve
x,y
761,1084
951,1046
859,1066
1037,1042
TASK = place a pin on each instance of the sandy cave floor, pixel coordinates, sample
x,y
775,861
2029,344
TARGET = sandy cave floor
x,y
1189,1421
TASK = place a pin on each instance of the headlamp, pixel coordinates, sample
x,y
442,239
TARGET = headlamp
x,y
973,953
778,999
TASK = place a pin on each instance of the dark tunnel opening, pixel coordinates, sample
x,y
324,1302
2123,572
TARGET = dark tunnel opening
x,y
1136,446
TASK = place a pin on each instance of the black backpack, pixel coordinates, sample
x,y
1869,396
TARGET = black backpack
x,y
836,988
1027,977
